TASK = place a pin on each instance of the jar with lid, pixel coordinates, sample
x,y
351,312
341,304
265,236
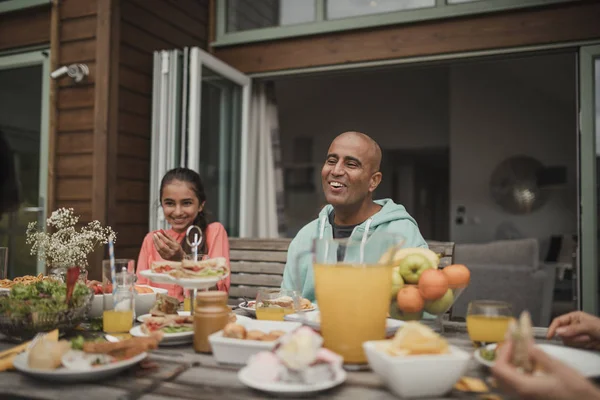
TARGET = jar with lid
x,y
210,315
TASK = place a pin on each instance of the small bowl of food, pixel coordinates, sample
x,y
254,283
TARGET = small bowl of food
x,y
237,342
408,362
145,297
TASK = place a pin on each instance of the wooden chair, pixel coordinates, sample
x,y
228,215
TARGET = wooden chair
x,y
259,263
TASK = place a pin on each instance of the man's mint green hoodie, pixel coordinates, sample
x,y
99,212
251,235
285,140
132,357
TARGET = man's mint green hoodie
x,y
391,218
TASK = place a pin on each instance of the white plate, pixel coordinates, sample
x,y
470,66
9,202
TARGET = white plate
x,y
169,339
187,283
252,310
290,389
68,375
585,361
313,320
144,317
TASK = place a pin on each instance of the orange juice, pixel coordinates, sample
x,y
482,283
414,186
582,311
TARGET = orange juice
x,y
186,304
488,329
353,302
273,313
117,321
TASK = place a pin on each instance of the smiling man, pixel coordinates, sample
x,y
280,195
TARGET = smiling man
x,y
349,177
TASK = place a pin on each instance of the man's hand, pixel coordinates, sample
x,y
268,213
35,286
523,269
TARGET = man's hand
x,y
577,329
168,248
557,381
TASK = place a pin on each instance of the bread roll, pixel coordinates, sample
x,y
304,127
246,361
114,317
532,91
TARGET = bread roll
x,y
46,354
255,335
234,331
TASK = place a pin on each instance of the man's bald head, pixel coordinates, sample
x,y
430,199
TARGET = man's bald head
x,y
374,151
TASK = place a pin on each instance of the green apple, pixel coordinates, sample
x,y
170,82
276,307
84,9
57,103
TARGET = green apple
x,y
397,282
440,305
412,266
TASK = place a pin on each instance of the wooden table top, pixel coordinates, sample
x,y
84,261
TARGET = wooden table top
x,y
180,373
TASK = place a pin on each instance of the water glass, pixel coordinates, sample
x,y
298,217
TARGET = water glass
x,y
488,321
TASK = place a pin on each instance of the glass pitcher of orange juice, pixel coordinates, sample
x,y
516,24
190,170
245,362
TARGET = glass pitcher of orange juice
x,y
353,280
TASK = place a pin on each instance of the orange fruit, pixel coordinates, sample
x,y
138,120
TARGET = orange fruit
x,y
409,300
433,284
458,275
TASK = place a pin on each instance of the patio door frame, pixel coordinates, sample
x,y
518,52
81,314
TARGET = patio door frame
x,y
41,58
588,277
198,59
587,255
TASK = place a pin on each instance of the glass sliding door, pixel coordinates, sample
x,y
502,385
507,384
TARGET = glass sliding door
x,y
200,113
167,97
218,114
24,93
589,176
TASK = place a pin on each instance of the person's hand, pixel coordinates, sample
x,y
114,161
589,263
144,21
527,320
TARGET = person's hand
x,y
577,329
168,248
557,380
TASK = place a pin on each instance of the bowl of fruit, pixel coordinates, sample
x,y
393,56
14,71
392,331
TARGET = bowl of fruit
x,y
421,289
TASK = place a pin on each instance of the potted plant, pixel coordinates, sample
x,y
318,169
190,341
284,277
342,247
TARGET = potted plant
x,y
62,246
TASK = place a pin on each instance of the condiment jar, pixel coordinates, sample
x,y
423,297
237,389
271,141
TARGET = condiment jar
x,y
210,316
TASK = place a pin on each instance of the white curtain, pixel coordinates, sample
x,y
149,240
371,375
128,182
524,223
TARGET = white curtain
x,y
265,176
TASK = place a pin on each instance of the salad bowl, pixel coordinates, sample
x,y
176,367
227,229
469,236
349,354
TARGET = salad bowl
x,y
41,307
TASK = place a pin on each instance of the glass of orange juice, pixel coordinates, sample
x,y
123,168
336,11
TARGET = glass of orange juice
x,y
488,320
118,298
353,280
275,304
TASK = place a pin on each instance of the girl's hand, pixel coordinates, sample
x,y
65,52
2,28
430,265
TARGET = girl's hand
x,y
168,248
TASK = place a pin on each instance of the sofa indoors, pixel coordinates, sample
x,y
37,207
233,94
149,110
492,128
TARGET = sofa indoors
x,y
507,270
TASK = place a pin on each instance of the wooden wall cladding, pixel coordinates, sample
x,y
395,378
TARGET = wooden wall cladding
x,y
542,25
146,26
30,27
74,136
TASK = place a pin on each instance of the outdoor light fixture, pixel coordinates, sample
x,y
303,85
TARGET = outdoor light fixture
x,y
75,71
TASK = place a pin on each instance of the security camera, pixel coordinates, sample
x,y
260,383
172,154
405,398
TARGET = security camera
x,y
75,71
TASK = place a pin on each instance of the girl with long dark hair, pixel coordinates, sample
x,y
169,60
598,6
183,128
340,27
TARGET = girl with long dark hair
x,y
182,199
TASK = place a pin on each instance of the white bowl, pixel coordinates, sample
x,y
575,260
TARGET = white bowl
x,y
238,351
411,376
143,302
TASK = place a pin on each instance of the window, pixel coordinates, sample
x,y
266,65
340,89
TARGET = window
x,y
13,5
243,15
352,8
243,21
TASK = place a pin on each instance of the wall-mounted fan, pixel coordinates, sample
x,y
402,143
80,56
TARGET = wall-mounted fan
x,y
514,185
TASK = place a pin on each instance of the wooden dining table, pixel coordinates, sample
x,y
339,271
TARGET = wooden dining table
x,y
180,373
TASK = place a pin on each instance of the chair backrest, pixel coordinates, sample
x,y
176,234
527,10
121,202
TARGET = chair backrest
x,y
259,263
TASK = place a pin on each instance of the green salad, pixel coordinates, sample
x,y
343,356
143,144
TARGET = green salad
x,y
43,297
488,354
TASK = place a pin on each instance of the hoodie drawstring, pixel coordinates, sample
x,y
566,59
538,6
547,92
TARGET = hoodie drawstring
x,y
363,241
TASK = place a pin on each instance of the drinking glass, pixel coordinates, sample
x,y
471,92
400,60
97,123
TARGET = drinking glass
x,y
275,304
353,281
118,299
3,263
488,321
